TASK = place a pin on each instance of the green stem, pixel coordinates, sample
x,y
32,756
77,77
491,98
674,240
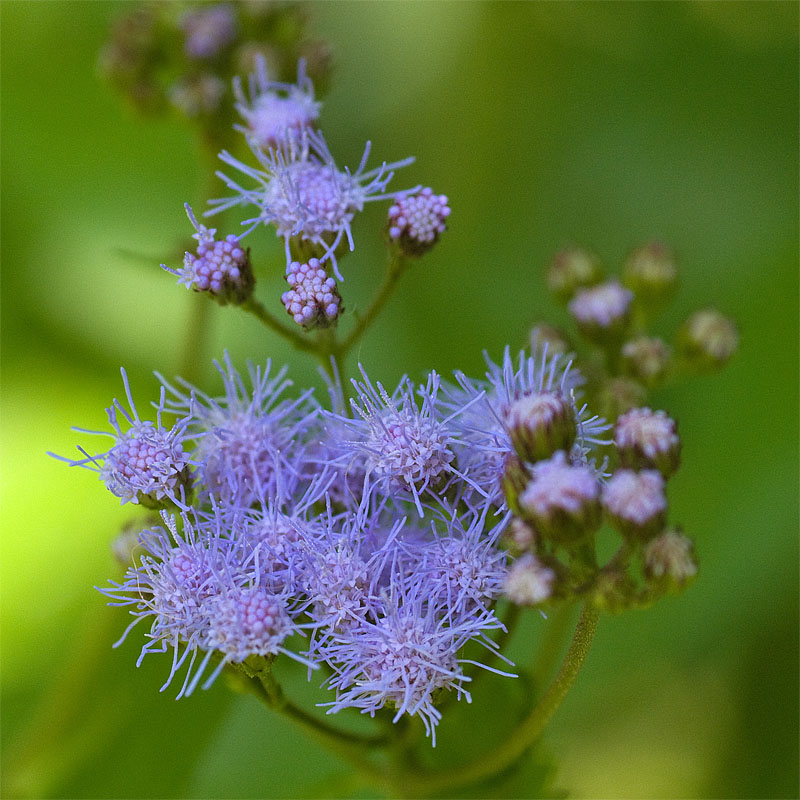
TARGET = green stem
x,y
255,307
396,267
196,338
351,747
529,730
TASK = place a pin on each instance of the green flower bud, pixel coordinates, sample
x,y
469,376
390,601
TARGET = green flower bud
x,y
651,274
540,424
562,501
635,504
646,360
648,439
571,269
707,340
618,395
556,340
669,560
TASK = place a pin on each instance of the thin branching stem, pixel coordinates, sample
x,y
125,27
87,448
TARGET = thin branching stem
x,y
528,730
397,266
256,308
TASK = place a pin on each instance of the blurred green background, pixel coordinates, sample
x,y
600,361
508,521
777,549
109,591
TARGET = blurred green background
x,y
605,124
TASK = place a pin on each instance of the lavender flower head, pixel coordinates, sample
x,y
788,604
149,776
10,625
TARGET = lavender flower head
x,y
528,404
417,220
208,30
221,268
601,306
404,446
302,193
403,657
147,463
313,299
275,108
250,440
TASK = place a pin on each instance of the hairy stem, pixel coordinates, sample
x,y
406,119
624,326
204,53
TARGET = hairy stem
x,y
352,747
529,729
256,308
396,268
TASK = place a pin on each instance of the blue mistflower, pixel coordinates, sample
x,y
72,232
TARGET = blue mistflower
x,y
275,108
304,194
178,574
404,448
536,386
147,462
463,567
403,658
250,440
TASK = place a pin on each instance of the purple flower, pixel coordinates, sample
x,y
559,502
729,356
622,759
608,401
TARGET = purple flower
x,y
403,657
313,299
177,576
462,566
417,220
208,30
250,440
147,462
221,268
275,108
303,193
401,441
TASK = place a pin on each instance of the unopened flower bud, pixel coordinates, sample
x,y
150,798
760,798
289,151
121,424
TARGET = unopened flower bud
x,y
618,395
707,340
319,62
197,95
541,423
220,268
602,311
519,535
635,503
645,359
613,590
554,338
208,29
561,500
313,299
651,274
515,479
670,559
529,581
648,439
417,220
571,269
126,544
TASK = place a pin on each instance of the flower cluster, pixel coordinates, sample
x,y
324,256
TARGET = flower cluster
x,y
373,535
299,189
559,497
181,56
384,582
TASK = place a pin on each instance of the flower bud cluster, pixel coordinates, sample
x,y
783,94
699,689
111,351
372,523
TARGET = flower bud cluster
x,y
614,315
417,220
367,534
313,299
215,40
559,495
220,268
